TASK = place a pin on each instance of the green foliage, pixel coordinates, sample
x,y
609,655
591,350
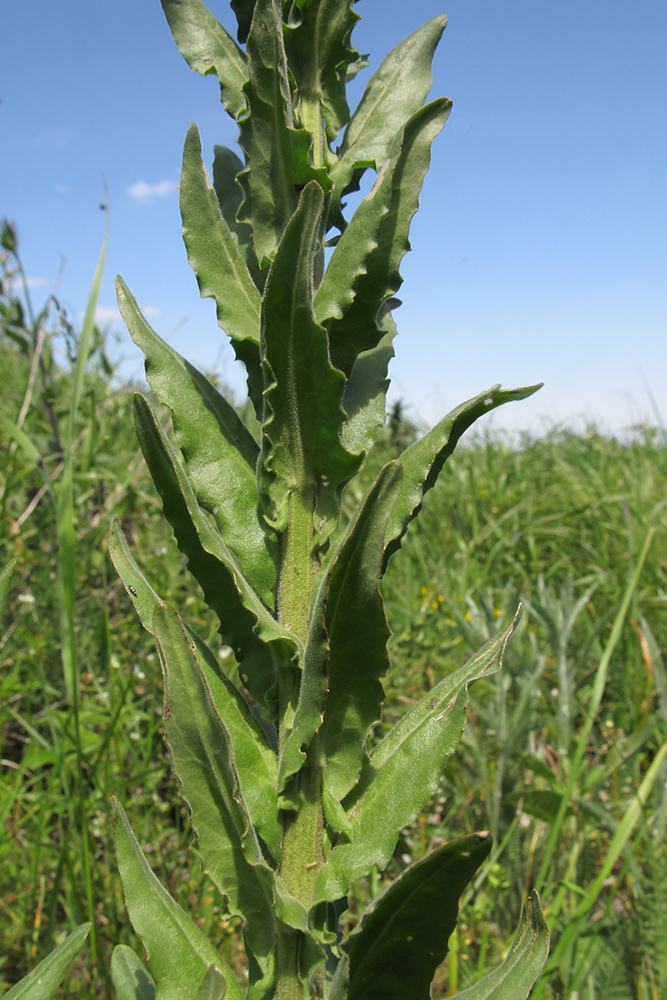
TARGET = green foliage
x,y
180,955
67,456
560,519
572,511
420,908
303,774
291,801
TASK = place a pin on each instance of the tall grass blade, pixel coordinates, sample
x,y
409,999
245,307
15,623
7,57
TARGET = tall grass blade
x,y
594,704
44,980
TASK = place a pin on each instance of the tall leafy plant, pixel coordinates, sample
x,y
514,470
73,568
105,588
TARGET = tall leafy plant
x,y
291,796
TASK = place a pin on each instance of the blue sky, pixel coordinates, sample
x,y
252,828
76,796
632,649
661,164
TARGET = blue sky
x,y
540,251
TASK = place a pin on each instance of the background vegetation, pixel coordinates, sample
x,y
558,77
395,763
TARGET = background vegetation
x,y
562,756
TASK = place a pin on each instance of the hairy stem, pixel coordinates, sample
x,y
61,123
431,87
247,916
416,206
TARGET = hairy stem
x,y
311,115
302,854
302,857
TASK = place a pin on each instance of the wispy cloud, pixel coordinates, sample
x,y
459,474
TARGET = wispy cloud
x,y
57,138
63,188
107,315
141,191
37,282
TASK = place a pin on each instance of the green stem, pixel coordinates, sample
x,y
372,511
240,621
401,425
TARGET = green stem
x,y
302,855
302,858
297,564
310,110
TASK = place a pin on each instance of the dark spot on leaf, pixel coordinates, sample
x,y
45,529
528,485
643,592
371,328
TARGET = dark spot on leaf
x,y
263,26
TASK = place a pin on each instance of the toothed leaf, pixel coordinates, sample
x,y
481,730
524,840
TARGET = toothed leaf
x,y
402,773
179,953
245,623
403,935
397,89
208,48
220,266
203,761
303,451
219,452
279,152
319,53
423,461
517,975
254,758
364,269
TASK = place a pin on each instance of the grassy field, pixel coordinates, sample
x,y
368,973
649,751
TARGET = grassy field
x,y
561,759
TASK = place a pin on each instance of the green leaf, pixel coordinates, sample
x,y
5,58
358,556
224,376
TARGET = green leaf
x,y
516,976
279,153
178,952
244,10
45,978
254,760
208,48
212,986
397,89
423,461
140,591
302,449
226,168
403,772
203,762
219,452
487,661
364,269
220,266
245,623
317,41
130,977
339,981
357,634
403,935
365,395
324,677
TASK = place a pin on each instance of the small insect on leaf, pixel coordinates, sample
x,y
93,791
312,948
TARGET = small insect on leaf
x,y
133,591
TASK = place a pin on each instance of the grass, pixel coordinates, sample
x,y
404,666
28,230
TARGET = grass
x,y
563,757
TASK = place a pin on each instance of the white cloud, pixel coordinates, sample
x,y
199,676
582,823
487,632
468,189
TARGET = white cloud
x,y
37,282
106,314
63,188
141,191
57,138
